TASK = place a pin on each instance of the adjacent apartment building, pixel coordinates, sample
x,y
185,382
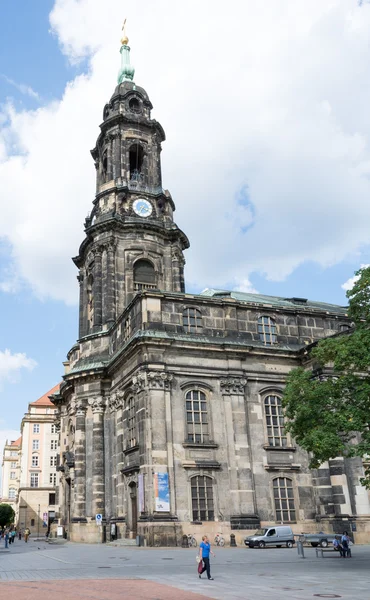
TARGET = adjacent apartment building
x,y
38,475
11,474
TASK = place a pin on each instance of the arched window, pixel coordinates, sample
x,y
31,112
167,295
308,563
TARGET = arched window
x,y
192,320
131,422
32,522
135,105
267,330
275,422
12,494
136,162
196,417
284,500
202,498
144,275
344,327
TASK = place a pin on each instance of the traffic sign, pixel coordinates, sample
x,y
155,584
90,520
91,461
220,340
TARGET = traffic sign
x,y
98,519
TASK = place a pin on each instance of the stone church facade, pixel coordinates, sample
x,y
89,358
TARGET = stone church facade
x,y
170,410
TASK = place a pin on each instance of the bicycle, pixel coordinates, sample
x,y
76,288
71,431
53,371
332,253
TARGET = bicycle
x,y
219,540
192,542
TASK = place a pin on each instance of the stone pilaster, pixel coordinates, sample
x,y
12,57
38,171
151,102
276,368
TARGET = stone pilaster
x,y
98,483
241,500
98,292
110,291
120,455
80,462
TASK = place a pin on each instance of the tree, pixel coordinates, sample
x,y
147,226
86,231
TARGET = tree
x,y
328,406
7,515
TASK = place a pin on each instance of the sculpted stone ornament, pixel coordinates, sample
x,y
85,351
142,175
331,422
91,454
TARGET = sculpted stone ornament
x,y
159,380
139,381
72,408
97,404
81,407
233,385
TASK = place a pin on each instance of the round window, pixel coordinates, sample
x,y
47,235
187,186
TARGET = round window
x,y
135,105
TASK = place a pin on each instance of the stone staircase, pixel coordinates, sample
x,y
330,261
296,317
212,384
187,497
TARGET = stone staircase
x,y
122,542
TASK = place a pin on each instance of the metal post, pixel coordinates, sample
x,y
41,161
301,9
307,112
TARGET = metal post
x,y
38,522
300,549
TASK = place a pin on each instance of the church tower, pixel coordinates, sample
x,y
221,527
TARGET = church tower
x,y
132,242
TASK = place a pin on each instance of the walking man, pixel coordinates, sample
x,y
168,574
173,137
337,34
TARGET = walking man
x,y
204,552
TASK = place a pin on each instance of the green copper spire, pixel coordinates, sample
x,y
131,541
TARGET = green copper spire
x,y
127,71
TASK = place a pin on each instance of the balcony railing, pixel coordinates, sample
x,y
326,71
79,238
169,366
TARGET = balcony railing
x,y
144,286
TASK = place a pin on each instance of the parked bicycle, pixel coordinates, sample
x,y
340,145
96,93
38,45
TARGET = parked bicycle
x,y
192,542
219,540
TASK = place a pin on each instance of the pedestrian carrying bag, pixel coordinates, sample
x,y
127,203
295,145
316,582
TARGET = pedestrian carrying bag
x,y
200,566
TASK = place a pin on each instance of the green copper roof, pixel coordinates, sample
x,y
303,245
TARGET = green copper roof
x,y
275,301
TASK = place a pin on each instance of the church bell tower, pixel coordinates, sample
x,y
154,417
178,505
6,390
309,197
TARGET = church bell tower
x,y
132,243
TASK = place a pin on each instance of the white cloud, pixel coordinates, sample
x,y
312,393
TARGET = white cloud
x,y
271,95
348,285
11,364
23,88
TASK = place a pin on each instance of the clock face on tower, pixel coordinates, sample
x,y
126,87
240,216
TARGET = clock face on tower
x,y
142,207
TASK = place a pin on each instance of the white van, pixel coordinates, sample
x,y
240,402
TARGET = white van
x,y
279,535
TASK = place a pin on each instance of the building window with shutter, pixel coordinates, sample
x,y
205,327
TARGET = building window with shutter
x,y
192,320
267,330
202,498
275,422
196,417
284,500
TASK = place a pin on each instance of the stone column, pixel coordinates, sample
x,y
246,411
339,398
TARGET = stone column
x,y
98,292
110,291
98,484
241,499
79,513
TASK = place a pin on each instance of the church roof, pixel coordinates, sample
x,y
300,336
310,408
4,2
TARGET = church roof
x,y
274,301
44,400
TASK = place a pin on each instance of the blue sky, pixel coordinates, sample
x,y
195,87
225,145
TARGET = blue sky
x,y
285,116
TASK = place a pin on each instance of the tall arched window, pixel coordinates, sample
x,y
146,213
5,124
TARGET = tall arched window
x,y
267,330
90,301
275,422
284,499
144,275
196,417
192,320
202,498
104,170
131,423
136,163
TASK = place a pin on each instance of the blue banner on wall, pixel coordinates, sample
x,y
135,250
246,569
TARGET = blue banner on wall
x,y
162,492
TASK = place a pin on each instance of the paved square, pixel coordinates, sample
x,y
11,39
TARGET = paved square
x,y
40,570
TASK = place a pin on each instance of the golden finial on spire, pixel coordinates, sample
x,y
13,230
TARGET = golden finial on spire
x,y
124,40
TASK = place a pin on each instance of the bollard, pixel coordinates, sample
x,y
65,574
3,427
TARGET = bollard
x,y
185,541
300,549
232,540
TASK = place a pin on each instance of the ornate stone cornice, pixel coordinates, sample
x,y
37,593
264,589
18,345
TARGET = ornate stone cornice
x,y
233,385
139,381
97,404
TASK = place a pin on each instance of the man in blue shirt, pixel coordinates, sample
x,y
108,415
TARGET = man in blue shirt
x,y
205,551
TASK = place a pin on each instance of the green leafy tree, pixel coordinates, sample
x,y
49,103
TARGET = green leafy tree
x,y
328,407
7,515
